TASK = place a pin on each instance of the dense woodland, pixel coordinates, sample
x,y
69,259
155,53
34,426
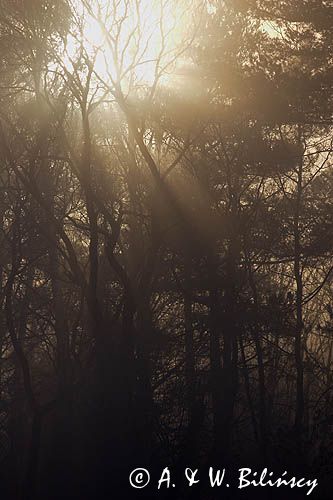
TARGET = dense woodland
x,y
166,243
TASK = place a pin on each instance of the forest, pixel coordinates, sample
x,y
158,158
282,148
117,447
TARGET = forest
x,y
166,245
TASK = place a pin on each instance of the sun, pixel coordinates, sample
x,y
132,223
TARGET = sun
x,y
131,42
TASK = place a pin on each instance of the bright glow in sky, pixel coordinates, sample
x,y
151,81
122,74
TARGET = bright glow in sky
x,y
128,37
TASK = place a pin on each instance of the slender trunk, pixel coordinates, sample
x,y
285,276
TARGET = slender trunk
x,y
144,390
87,181
215,358
299,348
142,257
248,391
231,327
189,347
30,483
263,420
22,360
